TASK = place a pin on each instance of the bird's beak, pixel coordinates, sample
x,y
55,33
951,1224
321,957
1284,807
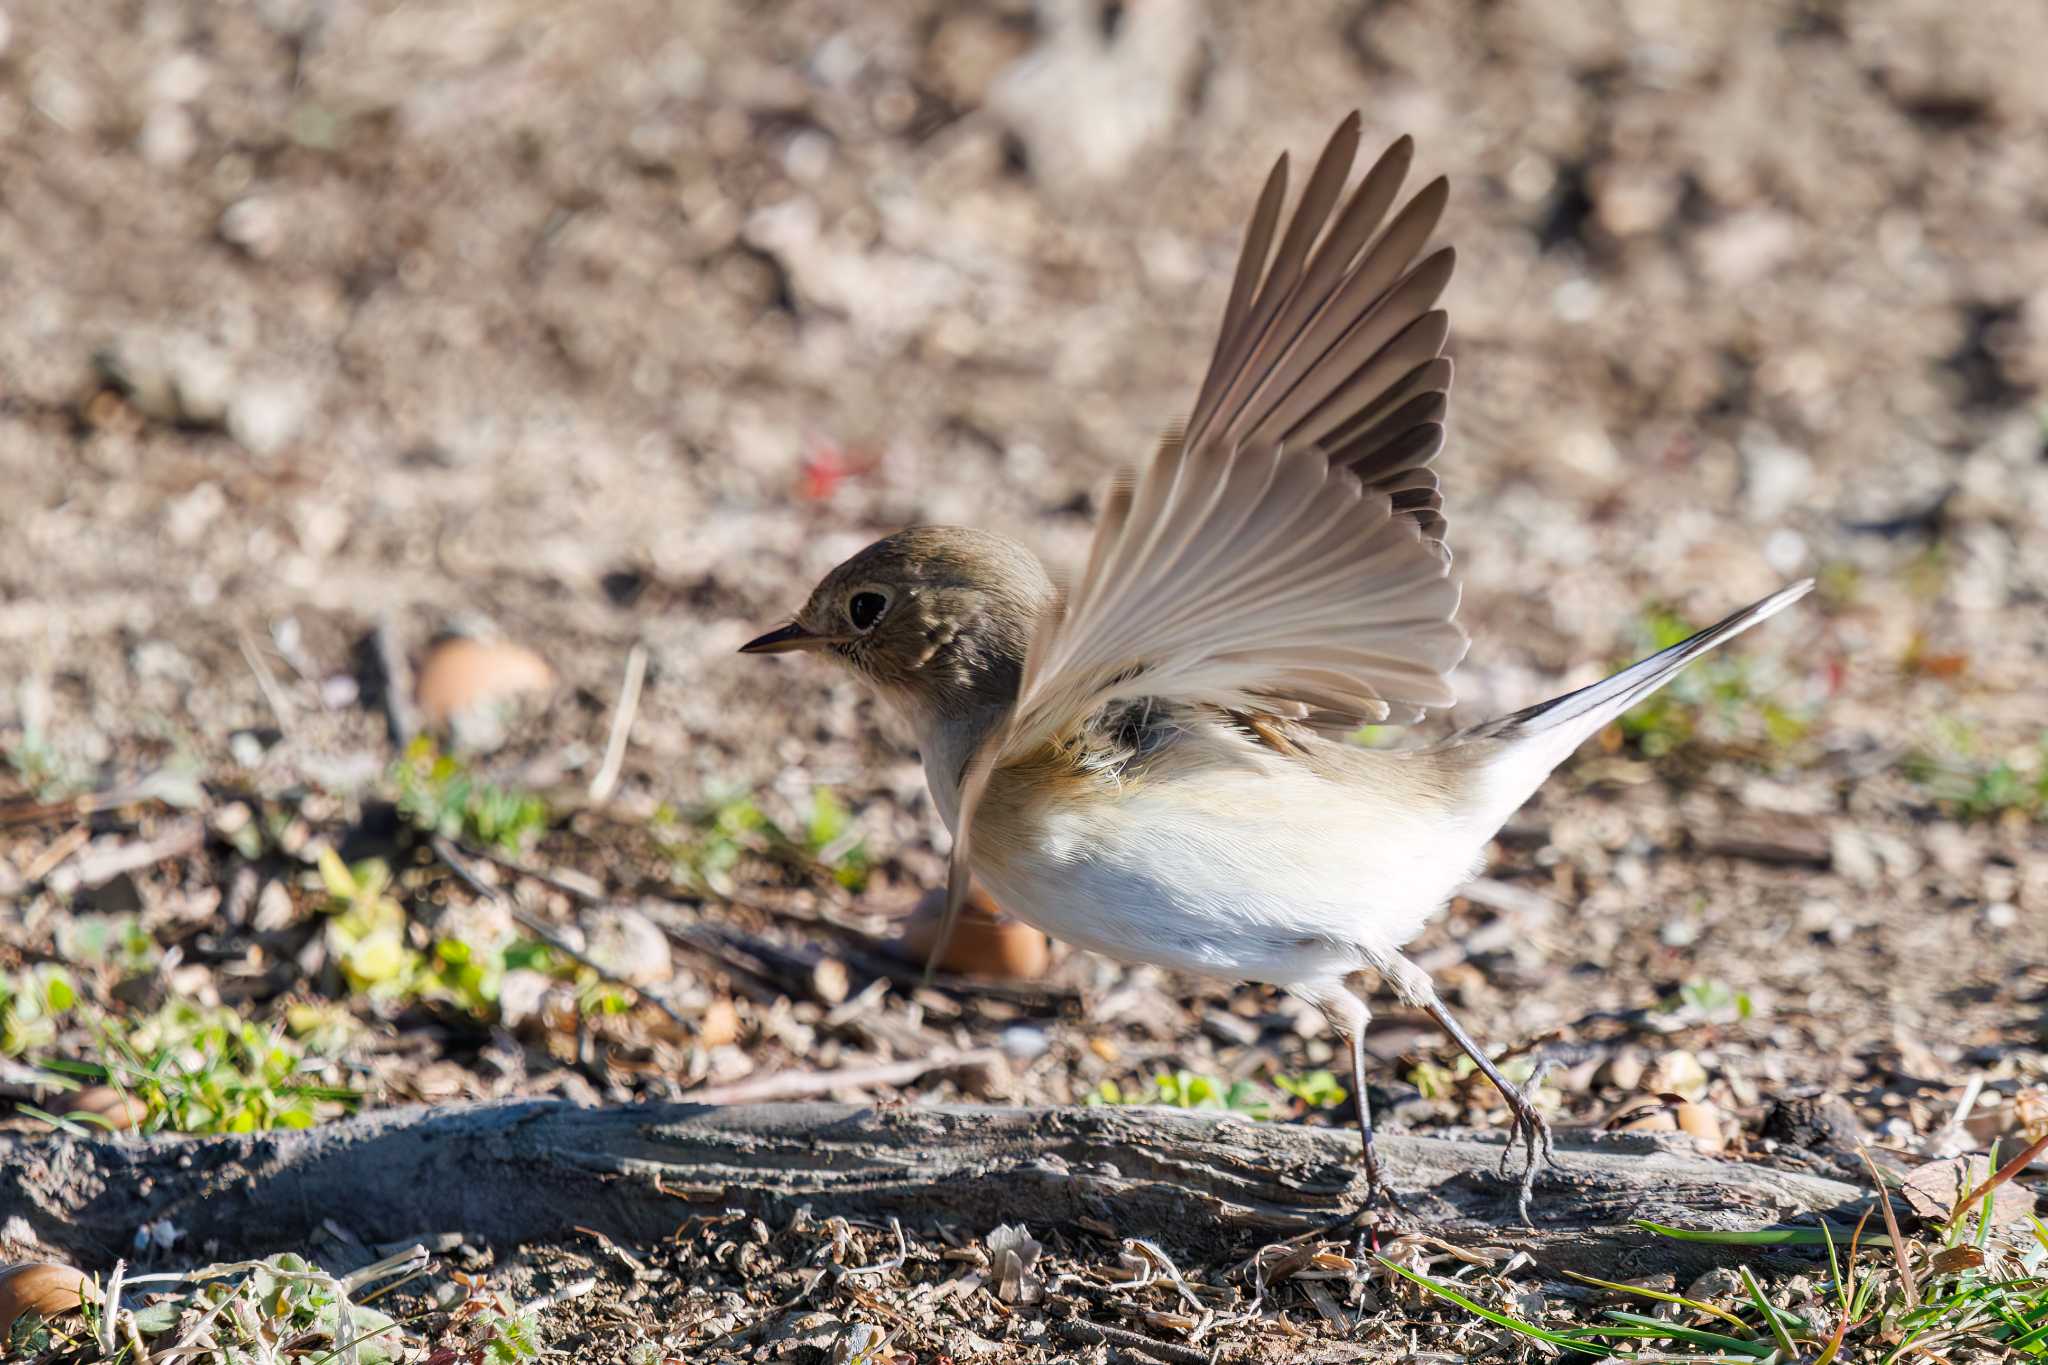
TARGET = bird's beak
x,y
783,639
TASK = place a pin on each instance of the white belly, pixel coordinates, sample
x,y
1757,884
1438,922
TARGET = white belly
x,y
1268,874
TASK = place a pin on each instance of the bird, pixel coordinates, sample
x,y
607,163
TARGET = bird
x,y
1150,758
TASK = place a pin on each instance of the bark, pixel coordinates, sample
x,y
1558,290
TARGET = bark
x,y
529,1171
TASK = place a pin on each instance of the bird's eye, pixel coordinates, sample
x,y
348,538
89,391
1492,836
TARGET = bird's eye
x,y
866,608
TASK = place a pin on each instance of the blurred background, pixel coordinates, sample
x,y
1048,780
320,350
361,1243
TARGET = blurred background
x,y
328,328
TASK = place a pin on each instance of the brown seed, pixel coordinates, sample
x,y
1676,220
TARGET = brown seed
x,y
1668,1113
115,1109
39,1287
1703,1121
983,944
462,674
720,1024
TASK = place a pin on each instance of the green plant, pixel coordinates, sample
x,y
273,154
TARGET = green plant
x,y
1188,1090
46,773
1717,700
32,1003
208,1070
1962,1287
1711,999
1316,1089
367,930
707,846
1963,783
440,795
112,940
1441,1082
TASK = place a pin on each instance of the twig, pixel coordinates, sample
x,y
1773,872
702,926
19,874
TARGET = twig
x,y
447,852
1099,1334
90,869
792,1085
2004,1173
397,671
622,724
280,704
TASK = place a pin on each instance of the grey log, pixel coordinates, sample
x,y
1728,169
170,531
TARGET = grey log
x,y
529,1171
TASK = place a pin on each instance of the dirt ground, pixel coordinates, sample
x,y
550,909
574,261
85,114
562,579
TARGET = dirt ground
x,y
604,326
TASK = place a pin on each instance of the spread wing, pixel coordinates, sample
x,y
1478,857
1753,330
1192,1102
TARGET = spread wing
x,y
1284,554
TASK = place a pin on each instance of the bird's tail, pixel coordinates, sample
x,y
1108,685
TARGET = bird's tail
x,y
1516,753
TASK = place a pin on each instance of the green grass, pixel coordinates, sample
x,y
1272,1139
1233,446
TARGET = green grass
x,y
280,1309
1958,778
440,794
34,1003
1191,1090
200,1069
1708,999
387,958
1718,701
1960,1285
708,844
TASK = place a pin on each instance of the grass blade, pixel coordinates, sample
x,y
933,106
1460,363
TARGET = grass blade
x,y
1762,1237
1770,1315
1891,1225
1661,1297
1693,1336
1498,1319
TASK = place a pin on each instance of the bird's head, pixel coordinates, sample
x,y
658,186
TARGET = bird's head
x,y
936,618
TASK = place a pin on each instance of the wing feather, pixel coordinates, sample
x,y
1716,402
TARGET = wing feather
x,y
1282,555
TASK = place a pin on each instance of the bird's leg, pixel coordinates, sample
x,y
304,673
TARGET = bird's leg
x,y
1530,1127
1348,1015
1377,1191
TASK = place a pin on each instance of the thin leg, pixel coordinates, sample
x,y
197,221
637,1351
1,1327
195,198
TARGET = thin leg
x,y
1530,1126
1347,1015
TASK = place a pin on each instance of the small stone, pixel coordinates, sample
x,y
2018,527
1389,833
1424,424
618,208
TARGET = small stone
x,y
1025,1041
628,944
1624,1070
521,994
1228,1028
720,1024
1718,1283
1678,1072
263,418
167,138
255,224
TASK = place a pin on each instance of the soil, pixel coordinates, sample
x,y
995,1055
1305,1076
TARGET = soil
x,y
594,327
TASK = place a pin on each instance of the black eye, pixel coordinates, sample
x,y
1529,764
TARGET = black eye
x,y
866,608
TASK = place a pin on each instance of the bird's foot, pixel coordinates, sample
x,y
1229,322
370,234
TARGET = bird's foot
x,y
1532,1132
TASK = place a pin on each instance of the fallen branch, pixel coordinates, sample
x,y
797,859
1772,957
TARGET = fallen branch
x,y
532,1171
796,1085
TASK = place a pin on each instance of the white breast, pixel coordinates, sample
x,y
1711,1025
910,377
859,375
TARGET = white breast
x,y
1262,872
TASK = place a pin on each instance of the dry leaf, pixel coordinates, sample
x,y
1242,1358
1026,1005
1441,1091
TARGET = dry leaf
x,y
1932,1192
1955,1260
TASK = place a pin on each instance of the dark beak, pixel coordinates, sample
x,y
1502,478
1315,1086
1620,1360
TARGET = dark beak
x,y
783,640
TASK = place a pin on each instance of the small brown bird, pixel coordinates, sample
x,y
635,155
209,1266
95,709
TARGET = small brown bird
x,y
1150,763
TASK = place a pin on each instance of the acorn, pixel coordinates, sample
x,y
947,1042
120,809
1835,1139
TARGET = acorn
x,y
465,682
40,1287
1668,1113
984,942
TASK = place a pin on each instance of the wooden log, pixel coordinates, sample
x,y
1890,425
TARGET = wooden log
x,y
528,1171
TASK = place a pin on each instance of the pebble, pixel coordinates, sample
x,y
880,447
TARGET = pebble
x,y
255,224
629,945
167,138
264,417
